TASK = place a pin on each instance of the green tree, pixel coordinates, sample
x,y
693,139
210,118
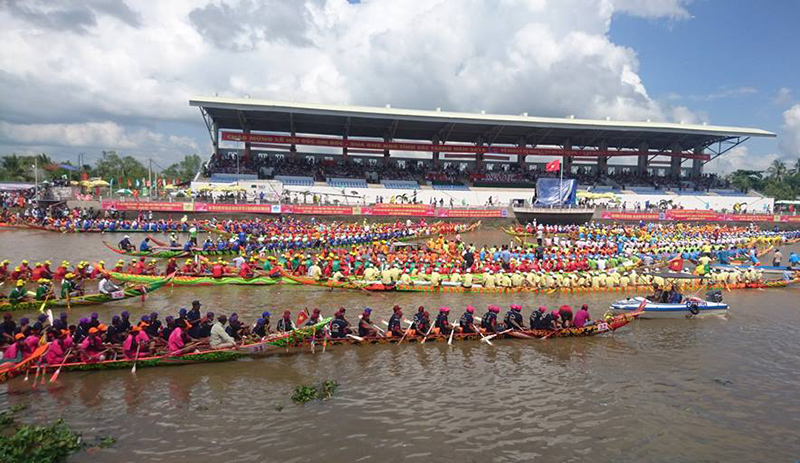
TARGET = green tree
x,y
15,168
184,170
777,170
111,165
745,180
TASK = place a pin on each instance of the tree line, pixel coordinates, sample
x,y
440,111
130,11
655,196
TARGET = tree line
x,y
779,180
16,168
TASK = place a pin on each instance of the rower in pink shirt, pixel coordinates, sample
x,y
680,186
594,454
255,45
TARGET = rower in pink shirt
x,y
175,343
136,340
57,352
582,317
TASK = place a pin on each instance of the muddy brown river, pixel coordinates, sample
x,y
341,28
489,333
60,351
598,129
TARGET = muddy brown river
x,y
712,389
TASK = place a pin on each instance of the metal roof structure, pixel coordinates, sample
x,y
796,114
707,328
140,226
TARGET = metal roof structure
x,y
458,127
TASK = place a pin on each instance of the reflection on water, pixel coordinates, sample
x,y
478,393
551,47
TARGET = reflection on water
x,y
660,390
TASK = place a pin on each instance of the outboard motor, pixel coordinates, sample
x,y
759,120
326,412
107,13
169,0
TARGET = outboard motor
x,y
714,296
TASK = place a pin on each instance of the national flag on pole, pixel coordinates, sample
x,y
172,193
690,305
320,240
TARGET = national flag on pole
x,y
137,183
301,317
129,182
553,166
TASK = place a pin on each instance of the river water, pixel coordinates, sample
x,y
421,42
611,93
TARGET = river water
x,y
713,389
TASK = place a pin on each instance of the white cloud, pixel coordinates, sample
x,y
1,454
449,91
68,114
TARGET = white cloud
x,y
790,133
135,64
675,9
740,158
784,96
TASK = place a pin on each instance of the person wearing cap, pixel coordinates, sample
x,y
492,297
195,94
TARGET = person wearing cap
x,y
313,319
582,317
489,320
91,348
441,325
565,313
466,323
550,320
194,315
125,244
68,286
16,351
219,337
365,327
137,340
536,318
18,294
285,323
60,345
260,328
513,318
395,322
177,342
340,327
421,322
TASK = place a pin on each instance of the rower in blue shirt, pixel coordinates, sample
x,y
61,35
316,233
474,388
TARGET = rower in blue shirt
x,y
145,246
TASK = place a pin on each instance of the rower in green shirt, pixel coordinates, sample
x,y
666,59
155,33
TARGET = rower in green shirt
x,y
44,291
18,294
67,286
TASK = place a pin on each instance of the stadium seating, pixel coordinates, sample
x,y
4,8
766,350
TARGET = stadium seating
x,y
450,186
338,182
295,180
229,178
727,192
401,184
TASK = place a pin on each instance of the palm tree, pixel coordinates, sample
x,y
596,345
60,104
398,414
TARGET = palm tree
x,y
796,169
777,170
14,168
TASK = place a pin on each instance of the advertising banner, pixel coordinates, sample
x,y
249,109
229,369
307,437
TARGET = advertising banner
x,y
471,213
414,210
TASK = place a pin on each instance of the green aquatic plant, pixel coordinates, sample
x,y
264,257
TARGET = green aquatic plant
x,y
306,393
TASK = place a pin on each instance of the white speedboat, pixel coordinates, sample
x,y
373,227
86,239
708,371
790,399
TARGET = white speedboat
x,y
690,307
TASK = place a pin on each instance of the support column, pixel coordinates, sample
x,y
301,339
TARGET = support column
x,y
344,148
697,164
386,153
675,162
521,157
642,162
602,161
435,153
215,138
246,145
566,161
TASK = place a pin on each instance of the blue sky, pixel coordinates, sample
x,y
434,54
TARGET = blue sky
x,y
729,60
82,77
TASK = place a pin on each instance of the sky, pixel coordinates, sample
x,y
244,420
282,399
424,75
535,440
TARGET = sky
x,y
82,77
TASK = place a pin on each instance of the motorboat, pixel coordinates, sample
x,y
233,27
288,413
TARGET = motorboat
x,y
689,307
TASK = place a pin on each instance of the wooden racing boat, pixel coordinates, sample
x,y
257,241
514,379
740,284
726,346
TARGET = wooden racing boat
x,y
160,253
196,280
609,325
271,344
89,299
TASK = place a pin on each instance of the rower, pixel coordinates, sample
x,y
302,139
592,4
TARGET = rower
x,y
395,327
17,351
441,324
421,322
365,328
194,315
173,240
489,320
91,348
106,286
314,318
536,317
513,318
18,294
220,338
145,245
135,341
125,322
260,328
565,312
582,317
467,321
339,326
285,324
125,244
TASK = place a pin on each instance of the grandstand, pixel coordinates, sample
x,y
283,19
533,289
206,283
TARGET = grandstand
x,y
387,151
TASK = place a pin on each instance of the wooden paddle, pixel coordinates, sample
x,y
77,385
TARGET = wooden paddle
x,y
450,339
484,338
133,368
58,371
425,338
357,338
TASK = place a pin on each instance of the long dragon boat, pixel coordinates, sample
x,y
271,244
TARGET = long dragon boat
x,y
89,299
271,344
160,253
198,280
458,289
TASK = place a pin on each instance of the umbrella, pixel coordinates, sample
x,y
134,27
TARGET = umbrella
x,y
170,187
124,191
96,183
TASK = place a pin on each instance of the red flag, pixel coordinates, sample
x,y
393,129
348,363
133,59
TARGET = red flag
x,y
301,317
129,182
676,264
553,166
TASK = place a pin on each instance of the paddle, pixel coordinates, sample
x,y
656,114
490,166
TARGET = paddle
x,y
357,338
484,338
36,378
496,334
425,338
450,339
58,371
44,304
133,369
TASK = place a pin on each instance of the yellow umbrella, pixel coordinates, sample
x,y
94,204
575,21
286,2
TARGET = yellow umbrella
x,y
170,187
98,182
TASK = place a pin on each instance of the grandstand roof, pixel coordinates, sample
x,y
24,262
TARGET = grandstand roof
x,y
406,124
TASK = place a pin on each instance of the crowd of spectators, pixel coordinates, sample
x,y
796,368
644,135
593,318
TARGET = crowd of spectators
x,y
374,170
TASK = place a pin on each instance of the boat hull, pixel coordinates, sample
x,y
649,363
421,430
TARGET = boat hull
x,y
688,309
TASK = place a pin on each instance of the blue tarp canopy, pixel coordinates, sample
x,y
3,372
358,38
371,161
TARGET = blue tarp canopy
x,y
556,192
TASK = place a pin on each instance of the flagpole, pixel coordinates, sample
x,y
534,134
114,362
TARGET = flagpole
x,y
561,184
